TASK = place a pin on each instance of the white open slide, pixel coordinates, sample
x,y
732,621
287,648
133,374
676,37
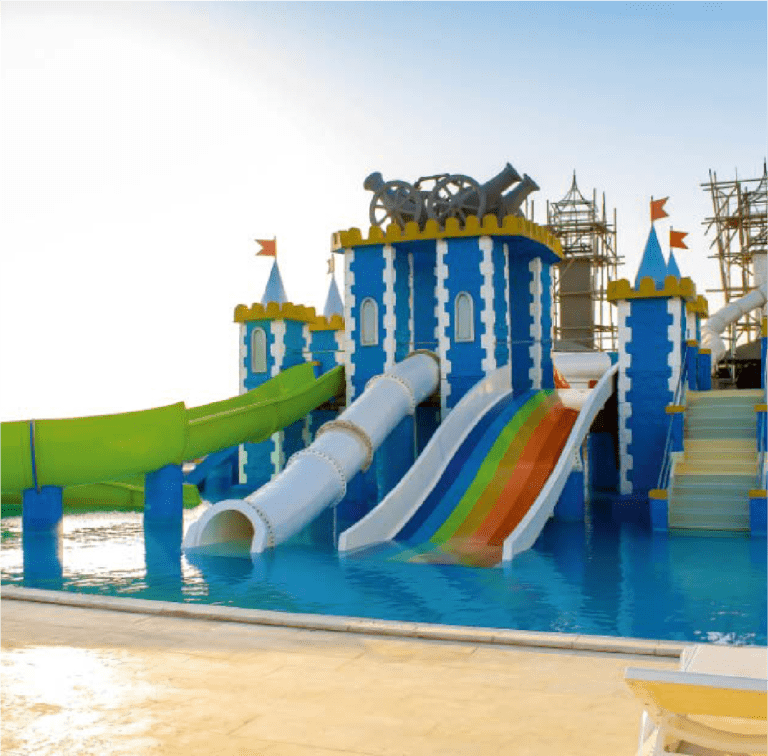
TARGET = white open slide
x,y
389,517
397,508
315,478
527,531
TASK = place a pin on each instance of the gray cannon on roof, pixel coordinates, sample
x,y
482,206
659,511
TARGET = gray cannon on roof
x,y
446,195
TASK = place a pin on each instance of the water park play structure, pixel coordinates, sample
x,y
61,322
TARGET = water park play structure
x,y
429,407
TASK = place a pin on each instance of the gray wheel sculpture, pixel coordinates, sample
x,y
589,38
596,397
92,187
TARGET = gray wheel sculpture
x,y
456,196
396,201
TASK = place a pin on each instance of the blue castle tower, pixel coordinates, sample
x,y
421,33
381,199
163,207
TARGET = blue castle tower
x,y
275,335
659,328
479,296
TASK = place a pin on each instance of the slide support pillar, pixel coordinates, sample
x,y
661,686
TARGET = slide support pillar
x,y
677,413
42,509
764,353
570,505
691,355
163,494
705,369
757,512
659,506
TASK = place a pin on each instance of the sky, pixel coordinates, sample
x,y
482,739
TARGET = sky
x,y
146,145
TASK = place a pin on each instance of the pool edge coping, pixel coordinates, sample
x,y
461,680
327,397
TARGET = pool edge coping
x,y
357,625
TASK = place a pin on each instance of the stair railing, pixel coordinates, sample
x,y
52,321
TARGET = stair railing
x,y
678,399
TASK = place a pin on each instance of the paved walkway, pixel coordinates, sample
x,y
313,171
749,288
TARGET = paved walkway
x,y
87,682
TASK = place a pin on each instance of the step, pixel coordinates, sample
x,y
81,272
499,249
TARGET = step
x,y
714,468
725,395
709,514
707,483
739,414
728,446
715,432
714,523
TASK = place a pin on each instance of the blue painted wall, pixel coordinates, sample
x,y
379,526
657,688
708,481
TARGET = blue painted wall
x,y
368,269
463,259
324,350
501,326
649,392
520,302
402,305
424,297
547,368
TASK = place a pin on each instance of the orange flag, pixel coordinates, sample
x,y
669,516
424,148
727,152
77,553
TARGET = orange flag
x,y
657,209
268,247
676,239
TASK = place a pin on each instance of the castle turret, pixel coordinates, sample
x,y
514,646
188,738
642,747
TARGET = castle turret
x,y
655,318
274,335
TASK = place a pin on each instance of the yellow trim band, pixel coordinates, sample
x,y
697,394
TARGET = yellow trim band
x,y
673,287
758,493
511,225
658,494
275,311
705,351
761,408
672,409
336,323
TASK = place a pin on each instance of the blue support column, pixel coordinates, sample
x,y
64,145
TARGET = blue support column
x,y
570,505
42,509
691,354
757,512
162,555
603,467
163,494
41,551
659,510
761,427
704,369
763,353
677,420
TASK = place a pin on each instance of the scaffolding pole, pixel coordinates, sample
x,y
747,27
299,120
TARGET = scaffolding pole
x,y
740,227
583,317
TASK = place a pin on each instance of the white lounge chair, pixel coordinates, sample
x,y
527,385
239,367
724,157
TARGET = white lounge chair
x,y
715,704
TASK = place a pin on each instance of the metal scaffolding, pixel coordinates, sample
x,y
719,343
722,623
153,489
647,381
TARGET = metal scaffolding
x,y
740,226
583,318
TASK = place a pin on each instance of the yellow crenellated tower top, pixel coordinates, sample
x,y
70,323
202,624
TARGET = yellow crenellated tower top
x,y
512,225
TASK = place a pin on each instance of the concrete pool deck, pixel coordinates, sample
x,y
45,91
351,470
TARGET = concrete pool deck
x,y
86,680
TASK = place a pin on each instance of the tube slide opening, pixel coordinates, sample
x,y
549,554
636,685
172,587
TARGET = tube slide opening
x,y
231,527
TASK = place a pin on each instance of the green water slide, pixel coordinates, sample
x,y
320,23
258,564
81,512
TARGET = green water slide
x,y
84,450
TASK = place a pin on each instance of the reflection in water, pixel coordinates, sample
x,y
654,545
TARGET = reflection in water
x,y
599,578
42,549
162,557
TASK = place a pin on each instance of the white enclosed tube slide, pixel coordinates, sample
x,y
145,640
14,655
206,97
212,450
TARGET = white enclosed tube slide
x,y
385,521
316,477
527,531
711,330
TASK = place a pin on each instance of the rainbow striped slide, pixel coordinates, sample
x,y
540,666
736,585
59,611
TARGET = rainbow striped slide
x,y
490,482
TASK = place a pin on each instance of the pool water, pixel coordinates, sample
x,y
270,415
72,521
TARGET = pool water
x,y
598,577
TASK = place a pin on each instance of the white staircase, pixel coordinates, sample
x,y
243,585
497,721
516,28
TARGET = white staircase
x,y
710,484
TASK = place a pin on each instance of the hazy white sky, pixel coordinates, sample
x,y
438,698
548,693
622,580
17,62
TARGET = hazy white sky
x,y
145,146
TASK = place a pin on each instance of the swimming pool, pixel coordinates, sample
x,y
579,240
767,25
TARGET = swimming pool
x,y
597,577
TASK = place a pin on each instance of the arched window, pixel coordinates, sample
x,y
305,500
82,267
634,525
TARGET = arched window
x,y
464,313
258,351
369,322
